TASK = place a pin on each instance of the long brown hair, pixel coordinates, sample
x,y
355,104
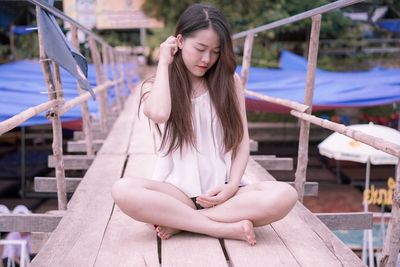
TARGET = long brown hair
x,y
219,78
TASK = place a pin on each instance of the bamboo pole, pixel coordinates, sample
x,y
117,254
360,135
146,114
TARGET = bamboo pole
x,y
16,120
376,142
86,121
99,79
391,247
54,92
130,72
114,74
284,102
302,159
57,84
105,66
86,95
246,61
122,74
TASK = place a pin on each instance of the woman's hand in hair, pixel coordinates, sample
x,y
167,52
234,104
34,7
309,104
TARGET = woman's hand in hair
x,y
217,195
168,49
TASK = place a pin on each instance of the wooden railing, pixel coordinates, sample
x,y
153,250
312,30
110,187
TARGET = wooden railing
x,y
303,112
56,106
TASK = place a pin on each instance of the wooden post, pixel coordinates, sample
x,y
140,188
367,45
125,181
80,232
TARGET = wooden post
x,y
115,77
54,94
391,247
106,60
99,80
86,121
302,161
246,61
122,73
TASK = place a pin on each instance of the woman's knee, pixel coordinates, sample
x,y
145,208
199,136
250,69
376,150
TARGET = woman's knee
x,y
281,196
126,194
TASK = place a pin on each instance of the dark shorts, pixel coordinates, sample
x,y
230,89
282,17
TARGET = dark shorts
x,y
198,206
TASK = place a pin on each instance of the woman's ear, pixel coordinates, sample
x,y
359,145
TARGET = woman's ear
x,y
179,41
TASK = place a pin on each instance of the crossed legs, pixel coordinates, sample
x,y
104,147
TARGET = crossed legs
x,y
163,204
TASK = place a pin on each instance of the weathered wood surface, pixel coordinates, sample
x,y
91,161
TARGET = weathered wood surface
x,y
28,222
314,236
346,221
80,146
73,162
48,184
310,188
76,240
96,133
269,251
302,157
104,236
274,164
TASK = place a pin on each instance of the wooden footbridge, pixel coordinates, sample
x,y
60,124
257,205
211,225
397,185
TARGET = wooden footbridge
x,y
90,230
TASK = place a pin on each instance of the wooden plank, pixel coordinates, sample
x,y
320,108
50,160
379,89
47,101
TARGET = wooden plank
x,y
189,249
127,243
302,156
80,145
276,164
76,240
306,246
117,141
346,221
307,220
346,256
48,184
310,188
269,250
79,135
73,162
140,166
29,222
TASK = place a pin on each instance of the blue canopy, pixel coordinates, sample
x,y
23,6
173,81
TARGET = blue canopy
x,y
378,86
22,86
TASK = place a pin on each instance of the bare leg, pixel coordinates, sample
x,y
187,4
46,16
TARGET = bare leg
x,y
261,203
139,199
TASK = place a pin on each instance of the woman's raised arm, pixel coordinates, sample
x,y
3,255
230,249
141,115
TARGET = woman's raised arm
x,y
157,103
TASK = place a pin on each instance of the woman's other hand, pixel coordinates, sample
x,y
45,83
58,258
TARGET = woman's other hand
x,y
168,49
217,195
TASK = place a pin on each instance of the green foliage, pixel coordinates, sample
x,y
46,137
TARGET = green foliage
x,y
26,46
121,38
243,15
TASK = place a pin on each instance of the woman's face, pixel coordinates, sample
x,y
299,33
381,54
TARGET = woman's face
x,y
200,51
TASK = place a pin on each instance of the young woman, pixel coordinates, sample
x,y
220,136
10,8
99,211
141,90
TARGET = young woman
x,y
198,99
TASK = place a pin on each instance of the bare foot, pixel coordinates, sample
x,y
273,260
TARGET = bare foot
x,y
165,232
242,230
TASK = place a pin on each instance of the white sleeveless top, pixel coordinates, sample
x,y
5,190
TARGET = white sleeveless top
x,y
197,169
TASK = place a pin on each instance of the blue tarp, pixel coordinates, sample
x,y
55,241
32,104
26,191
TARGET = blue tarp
x,y
378,86
22,86
392,25
21,83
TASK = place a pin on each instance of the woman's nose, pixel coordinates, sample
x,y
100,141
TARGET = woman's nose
x,y
206,57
